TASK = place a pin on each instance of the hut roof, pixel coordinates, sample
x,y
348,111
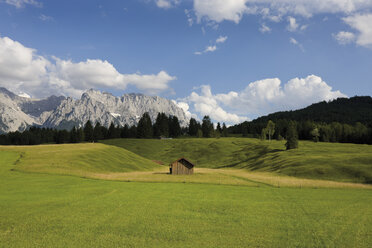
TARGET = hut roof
x,y
182,158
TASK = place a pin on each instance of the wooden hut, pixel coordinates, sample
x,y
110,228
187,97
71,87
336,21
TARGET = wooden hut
x,y
181,166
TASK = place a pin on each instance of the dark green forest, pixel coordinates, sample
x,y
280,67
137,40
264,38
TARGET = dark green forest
x,y
345,120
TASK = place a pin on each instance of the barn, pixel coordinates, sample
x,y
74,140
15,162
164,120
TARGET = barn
x,y
181,166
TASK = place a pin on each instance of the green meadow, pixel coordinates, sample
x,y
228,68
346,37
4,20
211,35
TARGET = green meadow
x,y
328,161
245,193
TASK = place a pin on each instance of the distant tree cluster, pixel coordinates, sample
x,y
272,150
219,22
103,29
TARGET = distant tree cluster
x,y
206,129
309,130
344,120
164,126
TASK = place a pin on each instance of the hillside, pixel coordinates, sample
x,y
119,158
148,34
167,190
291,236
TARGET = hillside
x,y
342,110
328,161
78,159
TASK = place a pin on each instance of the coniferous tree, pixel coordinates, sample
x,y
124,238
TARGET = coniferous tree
x,y
73,135
112,132
292,137
194,126
174,127
199,133
88,131
125,131
98,132
224,130
80,135
144,128
207,127
161,127
219,129
132,132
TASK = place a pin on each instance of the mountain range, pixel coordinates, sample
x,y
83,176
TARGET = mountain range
x,y
17,113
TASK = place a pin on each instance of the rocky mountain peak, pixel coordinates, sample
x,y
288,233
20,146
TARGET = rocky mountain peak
x,y
64,113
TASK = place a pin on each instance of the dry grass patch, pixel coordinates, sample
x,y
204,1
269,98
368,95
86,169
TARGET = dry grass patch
x,y
224,177
201,175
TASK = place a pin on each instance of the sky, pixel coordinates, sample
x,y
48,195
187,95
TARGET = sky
x,y
233,60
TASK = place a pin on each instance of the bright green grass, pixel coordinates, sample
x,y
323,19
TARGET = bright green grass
x,y
40,210
329,161
78,159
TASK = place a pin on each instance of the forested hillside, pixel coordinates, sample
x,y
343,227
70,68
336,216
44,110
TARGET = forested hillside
x,y
341,120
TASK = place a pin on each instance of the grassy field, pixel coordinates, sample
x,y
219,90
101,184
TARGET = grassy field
x,y
50,196
328,161
43,210
78,159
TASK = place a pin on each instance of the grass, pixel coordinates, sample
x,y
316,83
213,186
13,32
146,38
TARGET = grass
x,y
46,210
100,161
326,161
78,159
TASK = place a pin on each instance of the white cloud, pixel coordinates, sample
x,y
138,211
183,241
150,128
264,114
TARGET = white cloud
x,y
22,70
292,24
296,43
363,24
212,48
208,49
166,4
260,98
264,29
344,37
22,3
45,18
221,39
185,107
293,41
220,10
233,10
206,103
188,14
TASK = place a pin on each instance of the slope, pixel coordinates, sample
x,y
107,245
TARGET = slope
x,y
328,161
78,159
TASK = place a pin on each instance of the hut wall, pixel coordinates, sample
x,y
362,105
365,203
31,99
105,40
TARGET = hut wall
x,y
179,169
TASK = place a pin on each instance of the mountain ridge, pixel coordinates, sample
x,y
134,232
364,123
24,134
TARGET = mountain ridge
x,y
17,113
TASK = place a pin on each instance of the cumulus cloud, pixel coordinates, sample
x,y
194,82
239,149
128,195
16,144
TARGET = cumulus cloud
x,y
166,4
362,23
22,70
22,3
205,103
292,24
233,10
220,10
344,37
185,107
260,98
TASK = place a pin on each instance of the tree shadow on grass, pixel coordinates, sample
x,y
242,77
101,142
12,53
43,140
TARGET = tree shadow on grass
x,y
254,158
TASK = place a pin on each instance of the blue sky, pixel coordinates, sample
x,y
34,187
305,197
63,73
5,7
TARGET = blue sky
x,y
233,59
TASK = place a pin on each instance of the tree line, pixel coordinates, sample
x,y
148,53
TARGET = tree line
x,y
357,133
164,126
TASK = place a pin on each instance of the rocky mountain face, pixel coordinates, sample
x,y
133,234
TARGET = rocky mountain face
x,y
18,113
